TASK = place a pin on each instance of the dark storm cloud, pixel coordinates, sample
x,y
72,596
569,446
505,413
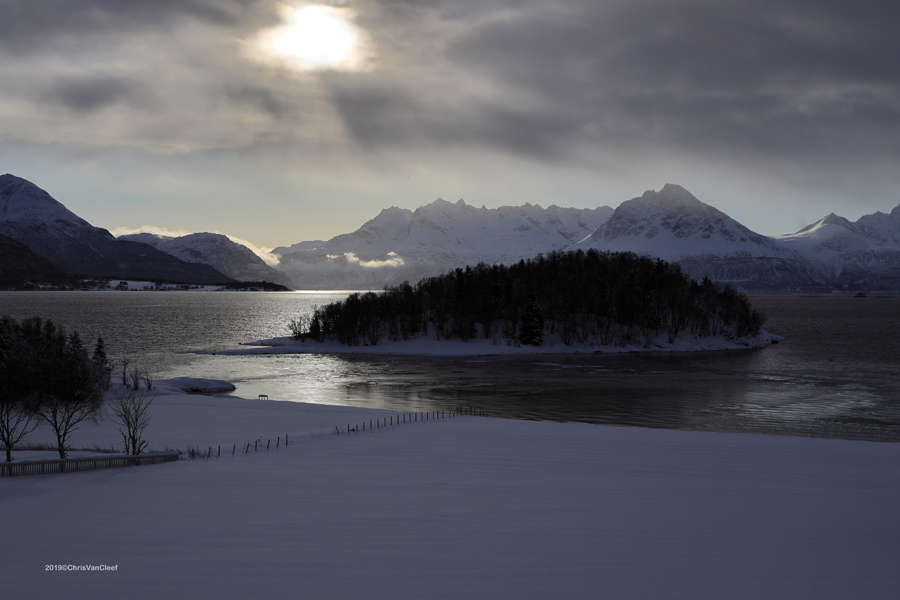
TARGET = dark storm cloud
x,y
257,97
27,26
382,117
743,77
87,95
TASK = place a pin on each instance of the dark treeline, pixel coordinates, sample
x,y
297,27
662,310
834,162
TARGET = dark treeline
x,y
48,376
583,297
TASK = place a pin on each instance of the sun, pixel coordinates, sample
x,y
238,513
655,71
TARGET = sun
x,y
315,38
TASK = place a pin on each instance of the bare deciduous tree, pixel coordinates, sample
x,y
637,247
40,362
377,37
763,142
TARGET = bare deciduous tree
x,y
16,418
125,362
64,391
134,380
16,421
130,414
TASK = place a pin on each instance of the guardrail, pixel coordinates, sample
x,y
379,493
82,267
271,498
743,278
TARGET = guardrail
x,y
75,465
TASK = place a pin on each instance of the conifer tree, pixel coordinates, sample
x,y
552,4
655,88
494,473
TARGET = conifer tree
x,y
531,331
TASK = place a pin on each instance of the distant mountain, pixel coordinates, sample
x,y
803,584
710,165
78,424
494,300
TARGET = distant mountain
x,y
299,246
832,254
673,225
400,244
864,255
216,250
31,216
22,268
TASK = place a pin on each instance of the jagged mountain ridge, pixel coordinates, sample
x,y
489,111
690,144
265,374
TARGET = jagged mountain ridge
x,y
216,250
29,215
862,255
400,244
671,224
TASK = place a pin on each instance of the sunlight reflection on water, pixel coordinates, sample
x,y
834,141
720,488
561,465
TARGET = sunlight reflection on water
x,y
825,380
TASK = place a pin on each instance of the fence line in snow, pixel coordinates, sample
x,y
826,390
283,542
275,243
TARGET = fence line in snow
x,y
400,419
76,465
404,418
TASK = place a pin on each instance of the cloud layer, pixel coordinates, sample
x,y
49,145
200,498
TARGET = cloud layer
x,y
802,93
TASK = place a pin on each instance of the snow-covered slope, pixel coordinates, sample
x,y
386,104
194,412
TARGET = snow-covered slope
x,y
864,255
31,216
216,250
674,225
400,244
671,224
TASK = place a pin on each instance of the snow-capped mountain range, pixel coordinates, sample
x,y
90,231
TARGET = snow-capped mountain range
x,y
401,244
864,255
673,225
398,244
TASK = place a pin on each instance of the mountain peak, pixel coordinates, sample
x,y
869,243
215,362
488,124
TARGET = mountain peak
x,y
833,219
672,224
830,219
671,194
31,216
22,200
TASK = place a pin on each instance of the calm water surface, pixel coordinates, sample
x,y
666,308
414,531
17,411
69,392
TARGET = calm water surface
x,y
835,375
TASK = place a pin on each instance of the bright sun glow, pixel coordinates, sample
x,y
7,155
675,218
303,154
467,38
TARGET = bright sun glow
x,y
315,38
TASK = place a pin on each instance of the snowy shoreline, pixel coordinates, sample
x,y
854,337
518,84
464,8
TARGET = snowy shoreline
x,y
492,347
462,507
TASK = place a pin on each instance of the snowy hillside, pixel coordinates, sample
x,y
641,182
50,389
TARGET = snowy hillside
x,y
400,244
31,216
216,250
674,225
863,255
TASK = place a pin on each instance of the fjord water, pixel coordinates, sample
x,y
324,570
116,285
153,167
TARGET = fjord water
x,y
834,376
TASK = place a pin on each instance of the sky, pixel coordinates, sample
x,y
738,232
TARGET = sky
x,y
278,122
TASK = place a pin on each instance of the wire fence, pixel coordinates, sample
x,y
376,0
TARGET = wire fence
x,y
75,465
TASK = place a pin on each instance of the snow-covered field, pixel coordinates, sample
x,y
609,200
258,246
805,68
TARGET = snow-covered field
x,y
463,507
479,346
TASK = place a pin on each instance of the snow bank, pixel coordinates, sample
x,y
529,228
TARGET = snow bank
x,y
192,385
486,347
457,508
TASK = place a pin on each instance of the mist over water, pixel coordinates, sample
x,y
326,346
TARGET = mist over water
x,y
835,375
